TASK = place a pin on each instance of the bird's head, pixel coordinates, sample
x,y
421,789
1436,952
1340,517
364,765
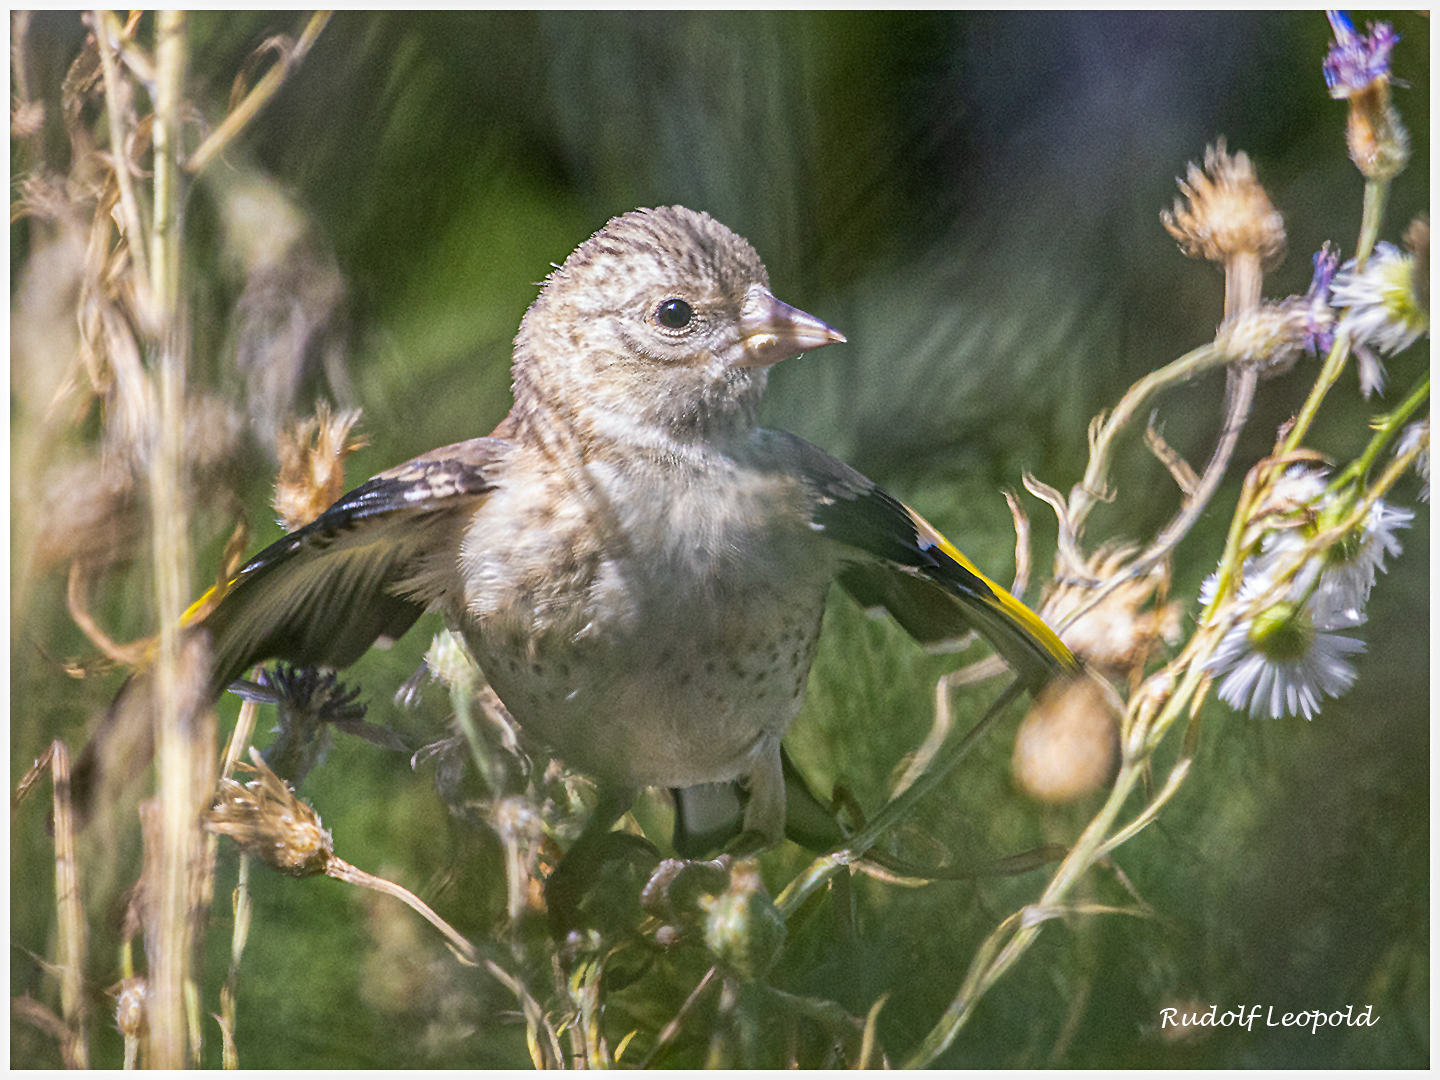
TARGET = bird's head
x,y
663,317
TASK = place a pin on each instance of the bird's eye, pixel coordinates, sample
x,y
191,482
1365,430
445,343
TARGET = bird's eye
x,y
674,313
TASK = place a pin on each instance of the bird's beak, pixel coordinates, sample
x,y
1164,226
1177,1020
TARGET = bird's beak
x,y
771,330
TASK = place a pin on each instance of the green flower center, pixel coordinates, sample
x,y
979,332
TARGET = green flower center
x,y
1283,632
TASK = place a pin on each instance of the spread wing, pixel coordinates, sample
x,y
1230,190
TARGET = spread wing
x,y
903,564
326,592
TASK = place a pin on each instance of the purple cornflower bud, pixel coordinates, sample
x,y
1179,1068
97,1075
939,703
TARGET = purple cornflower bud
x,y
1356,61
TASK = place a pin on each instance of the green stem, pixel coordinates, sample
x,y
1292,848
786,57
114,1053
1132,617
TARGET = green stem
x,y
1023,926
827,866
1371,215
1386,427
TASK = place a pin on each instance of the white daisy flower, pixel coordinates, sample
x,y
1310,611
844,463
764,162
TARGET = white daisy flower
x,y
1384,315
1278,663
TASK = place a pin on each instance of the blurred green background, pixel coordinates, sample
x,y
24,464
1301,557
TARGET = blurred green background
x,y
974,200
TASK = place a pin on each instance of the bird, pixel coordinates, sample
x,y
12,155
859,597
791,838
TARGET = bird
x,y
638,567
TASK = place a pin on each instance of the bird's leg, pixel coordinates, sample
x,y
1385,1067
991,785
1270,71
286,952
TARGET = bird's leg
x,y
765,809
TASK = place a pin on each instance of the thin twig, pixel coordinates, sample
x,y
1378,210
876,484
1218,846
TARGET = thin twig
x,y
70,947
259,96
672,1026
130,654
129,205
339,869
827,866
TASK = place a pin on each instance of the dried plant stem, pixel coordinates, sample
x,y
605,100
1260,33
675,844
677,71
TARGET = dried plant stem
x,y
69,1029
673,1025
1093,486
75,599
546,1055
228,1018
1239,399
239,739
342,871
181,837
129,204
70,916
258,96
1244,280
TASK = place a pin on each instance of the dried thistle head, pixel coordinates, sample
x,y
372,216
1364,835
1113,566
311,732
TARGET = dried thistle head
x,y
312,464
1269,336
1225,213
1120,633
266,819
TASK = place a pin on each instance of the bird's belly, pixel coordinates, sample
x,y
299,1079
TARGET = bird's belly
x,y
673,690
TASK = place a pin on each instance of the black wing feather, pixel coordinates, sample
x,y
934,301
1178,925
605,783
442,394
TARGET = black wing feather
x,y
323,594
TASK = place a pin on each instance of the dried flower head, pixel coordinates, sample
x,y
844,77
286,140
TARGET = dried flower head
x,y
1270,336
130,1007
1225,212
266,819
132,1016
312,465
1120,632
1067,746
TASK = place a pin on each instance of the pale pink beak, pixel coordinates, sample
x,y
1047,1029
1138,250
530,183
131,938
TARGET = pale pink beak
x,y
771,330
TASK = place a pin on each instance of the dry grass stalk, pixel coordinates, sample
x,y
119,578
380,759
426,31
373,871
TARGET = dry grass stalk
x,y
72,934
271,824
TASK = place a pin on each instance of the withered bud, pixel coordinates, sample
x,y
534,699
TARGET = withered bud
x,y
266,819
130,1007
1066,747
743,928
312,465
1271,336
1378,142
1225,212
